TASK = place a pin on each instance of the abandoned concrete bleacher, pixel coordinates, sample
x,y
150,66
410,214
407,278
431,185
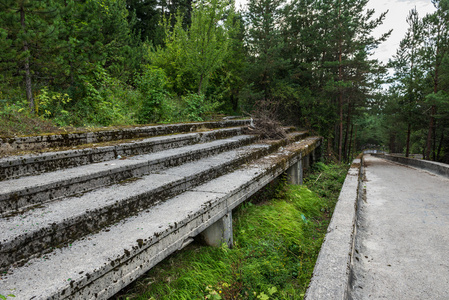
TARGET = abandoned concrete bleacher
x,y
91,212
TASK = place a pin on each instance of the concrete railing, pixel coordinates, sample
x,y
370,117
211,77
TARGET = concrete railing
x,y
332,274
431,166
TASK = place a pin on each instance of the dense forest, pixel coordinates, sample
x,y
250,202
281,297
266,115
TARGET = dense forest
x,y
117,62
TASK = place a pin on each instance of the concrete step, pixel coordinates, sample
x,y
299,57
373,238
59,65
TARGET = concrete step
x,y
55,223
13,144
32,164
26,192
99,265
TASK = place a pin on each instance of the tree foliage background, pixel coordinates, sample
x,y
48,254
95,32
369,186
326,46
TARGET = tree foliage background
x,y
114,62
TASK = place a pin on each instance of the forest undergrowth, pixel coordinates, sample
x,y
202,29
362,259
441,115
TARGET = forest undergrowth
x,y
277,237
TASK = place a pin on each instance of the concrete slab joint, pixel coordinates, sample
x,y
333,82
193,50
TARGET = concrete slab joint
x,y
219,232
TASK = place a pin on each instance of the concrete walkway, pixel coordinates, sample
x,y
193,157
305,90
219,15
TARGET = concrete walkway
x,y
402,240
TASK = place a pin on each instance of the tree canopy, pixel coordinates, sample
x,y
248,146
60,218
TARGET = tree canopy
x,y
105,62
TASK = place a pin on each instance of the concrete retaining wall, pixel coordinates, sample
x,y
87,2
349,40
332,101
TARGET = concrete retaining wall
x,y
332,274
431,166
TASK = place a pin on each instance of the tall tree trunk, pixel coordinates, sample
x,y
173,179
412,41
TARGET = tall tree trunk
x,y
200,84
350,144
340,134
433,109
340,77
348,124
409,129
429,133
70,51
330,142
28,85
434,147
440,145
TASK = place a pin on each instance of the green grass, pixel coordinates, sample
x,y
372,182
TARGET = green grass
x,y
14,123
277,237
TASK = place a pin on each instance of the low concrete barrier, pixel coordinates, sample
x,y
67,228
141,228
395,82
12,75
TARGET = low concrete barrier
x,y
431,166
332,274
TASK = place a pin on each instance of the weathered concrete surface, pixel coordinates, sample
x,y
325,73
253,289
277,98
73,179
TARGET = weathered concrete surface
x,y
10,144
402,242
32,190
35,231
431,166
99,265
295,173
331,273
36,163
220,232
49,225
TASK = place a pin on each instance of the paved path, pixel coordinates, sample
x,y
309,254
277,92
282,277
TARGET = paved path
x,y
402,242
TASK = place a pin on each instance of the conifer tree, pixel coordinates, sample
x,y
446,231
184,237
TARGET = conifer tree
x,y
436,50
27,34
265,46
408,72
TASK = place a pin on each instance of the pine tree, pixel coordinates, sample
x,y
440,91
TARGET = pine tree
x,y
28,33
435,52
408,72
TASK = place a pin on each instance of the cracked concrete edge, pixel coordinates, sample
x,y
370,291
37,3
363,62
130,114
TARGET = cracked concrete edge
x,y
431,166
332,273
16,166
9,144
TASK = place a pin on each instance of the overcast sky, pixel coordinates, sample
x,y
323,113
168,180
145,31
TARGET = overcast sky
x,y
395,19
398,11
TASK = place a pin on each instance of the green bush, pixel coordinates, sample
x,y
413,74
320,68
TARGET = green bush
x,y
196,106
53,105
155,103
95,99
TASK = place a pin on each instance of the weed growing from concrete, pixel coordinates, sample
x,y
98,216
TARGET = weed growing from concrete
x,y
277,237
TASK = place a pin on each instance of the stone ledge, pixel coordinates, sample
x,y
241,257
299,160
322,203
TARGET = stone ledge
x,y
11,144
332,272
32,164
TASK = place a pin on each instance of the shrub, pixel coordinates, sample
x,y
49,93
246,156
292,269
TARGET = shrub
x,y
152,84
196,106
53,105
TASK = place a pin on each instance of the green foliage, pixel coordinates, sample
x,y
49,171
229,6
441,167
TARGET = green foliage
x,y
265,46
197,52
197,107
153,87
277,237
18,120
326,181
101,100
418,98
53,105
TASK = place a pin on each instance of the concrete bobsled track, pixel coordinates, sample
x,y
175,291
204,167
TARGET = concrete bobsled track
x,y
388,239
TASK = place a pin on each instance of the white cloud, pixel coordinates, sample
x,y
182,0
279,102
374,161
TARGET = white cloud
x,y
396,20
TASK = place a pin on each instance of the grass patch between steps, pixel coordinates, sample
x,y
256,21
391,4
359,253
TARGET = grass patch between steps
x,y
277,238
